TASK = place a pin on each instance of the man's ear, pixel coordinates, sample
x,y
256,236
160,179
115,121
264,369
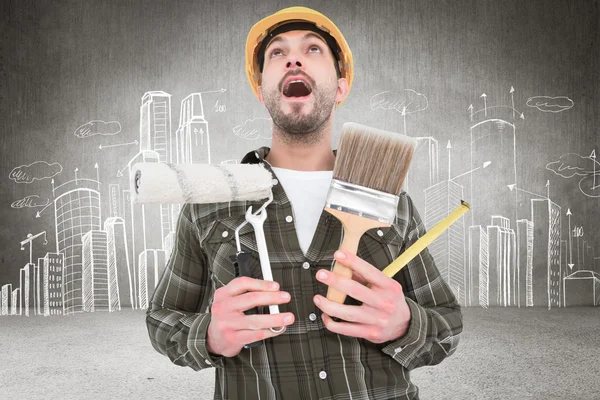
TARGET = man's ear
x,y
260,96
342,90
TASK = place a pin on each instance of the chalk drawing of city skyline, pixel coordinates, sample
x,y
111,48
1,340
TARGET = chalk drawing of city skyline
x,y
490,257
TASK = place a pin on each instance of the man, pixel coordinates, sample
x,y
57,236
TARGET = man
x,y
300,67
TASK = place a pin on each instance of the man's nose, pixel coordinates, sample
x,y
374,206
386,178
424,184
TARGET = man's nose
x,y
293,61
296,63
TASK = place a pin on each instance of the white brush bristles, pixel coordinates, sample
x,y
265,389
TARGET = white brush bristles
x,y
199,183
373,158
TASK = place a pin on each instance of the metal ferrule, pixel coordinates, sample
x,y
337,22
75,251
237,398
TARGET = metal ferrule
x,y
362,201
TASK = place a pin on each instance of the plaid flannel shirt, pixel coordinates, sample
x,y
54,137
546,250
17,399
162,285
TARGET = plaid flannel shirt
x,y
307,361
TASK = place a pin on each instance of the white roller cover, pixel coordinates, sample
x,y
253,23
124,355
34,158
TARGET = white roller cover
x,y
199,183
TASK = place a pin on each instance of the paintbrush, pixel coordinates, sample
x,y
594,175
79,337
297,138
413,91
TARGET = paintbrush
x,y
370,167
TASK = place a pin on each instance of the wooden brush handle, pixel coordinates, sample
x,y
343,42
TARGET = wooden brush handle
x,y
350,244
354,227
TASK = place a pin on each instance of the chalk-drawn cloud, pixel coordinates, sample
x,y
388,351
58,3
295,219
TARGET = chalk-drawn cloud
x,y
406,101
254,128
572,164
29,201
550,104
98,128
38,170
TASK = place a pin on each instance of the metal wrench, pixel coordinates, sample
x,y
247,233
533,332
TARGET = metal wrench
x,y
237,230
257,222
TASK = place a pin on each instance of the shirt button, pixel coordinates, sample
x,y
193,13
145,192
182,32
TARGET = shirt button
x,y
305,265
289,218
207,361
225,234
322,374
312,316
274,182
380,232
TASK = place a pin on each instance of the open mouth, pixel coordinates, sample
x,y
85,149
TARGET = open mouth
x,y
296,88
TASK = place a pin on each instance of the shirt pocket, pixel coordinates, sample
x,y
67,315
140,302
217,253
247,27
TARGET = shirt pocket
x,y
221,249
381,246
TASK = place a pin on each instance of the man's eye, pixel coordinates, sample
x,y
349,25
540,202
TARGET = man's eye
x,y
275,52
314,47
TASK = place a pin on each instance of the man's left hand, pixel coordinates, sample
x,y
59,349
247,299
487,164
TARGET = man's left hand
x,y
384,314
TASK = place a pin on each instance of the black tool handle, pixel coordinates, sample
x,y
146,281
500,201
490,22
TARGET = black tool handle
x,y
244,266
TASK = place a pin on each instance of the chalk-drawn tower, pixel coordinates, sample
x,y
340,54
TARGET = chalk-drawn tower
x,y
94,272
155,133
144,220
547,274
53,285
423,171
77,212
155,123
493,140
448,249
152,264
476,279
118,260
192,138
26,287
7,299
502,262
525,263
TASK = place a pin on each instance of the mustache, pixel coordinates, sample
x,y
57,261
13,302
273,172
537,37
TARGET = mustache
x,y
296,73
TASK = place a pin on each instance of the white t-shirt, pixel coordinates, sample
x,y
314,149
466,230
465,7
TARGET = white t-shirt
x,y
307,191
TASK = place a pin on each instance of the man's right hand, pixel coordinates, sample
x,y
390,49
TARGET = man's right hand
x,y
230,329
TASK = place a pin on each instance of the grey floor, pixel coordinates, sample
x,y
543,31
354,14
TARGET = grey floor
x,y
503,354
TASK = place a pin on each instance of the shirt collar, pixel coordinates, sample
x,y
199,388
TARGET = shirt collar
x,y
258,157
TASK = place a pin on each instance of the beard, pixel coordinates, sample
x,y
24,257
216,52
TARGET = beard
x,y
296,126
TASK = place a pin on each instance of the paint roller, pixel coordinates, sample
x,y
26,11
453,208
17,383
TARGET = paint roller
x,y
166,183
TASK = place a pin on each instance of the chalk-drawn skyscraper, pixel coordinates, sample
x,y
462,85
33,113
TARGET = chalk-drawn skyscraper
x,y
190,144
26,287
192,137
492,140
423,171
547,274
477,278
524,263
77,212
94,271
155,123
143,220
7,299
118,259
151,266
155,133
449,248
53,281
502,262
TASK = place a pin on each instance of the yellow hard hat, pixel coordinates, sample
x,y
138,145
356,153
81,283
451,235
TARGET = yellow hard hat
x,y
262,28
